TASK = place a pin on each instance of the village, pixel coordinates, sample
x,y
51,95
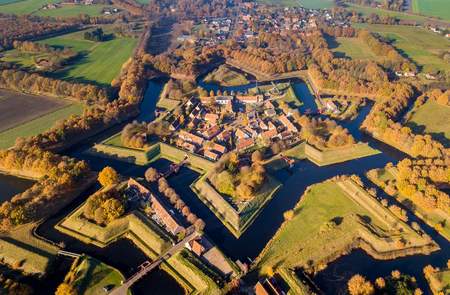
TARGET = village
x,y
213,125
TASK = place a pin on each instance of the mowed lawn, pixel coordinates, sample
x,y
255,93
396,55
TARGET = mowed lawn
x,y
38,125
431,118
437,8
100,62
312,4
421,45
353,48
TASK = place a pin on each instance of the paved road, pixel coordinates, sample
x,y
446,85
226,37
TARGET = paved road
x,y
146,267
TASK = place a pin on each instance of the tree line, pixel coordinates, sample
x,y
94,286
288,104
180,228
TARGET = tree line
x,y
23,81
59,177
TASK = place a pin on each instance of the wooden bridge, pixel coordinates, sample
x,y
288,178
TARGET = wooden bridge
x,y
68,254
174,168
148,266
288,161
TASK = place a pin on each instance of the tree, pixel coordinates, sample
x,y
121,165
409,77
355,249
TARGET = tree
x,y
199,225
108,176
380,283
288,215
113,209
151,175
358,285
65,289
257,156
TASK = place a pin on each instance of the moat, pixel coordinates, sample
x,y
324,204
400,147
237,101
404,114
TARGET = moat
x,y
126,257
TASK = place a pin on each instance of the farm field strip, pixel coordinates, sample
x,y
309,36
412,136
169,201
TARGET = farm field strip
x,y
38,125
435,8
101,62
17,108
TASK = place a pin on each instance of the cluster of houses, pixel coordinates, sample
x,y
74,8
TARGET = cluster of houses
x,y
251,120
167,217
163,212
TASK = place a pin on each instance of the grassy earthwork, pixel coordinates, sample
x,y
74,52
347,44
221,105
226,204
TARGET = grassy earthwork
x,y
353,48
431,217
226,76
89,276
326,223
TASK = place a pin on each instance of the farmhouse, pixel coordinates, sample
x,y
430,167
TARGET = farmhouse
x,y
162,213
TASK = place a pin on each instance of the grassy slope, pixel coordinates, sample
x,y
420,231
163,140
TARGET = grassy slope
x,y
226,76
440,281
437,8
429,217
92,275
299,240
353,48
437,123
103,60
421,45
38,125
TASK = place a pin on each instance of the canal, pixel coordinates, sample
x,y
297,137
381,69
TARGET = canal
x,y
127,257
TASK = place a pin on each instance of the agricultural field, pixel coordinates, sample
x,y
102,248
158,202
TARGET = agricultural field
x,y
313,4
421,45
98,62
23,7
38,125
17,108
72,10
352,48
366,11
438,125
436,8
328,218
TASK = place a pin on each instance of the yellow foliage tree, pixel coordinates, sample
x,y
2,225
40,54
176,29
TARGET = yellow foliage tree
x,y
108,176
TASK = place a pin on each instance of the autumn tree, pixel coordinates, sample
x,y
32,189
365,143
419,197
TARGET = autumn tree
x,y
65,289
151,175
108,176
358,285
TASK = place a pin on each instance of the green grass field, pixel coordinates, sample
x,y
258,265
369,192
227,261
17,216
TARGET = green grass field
x,y
302,238
421,45
23,7
353,48
72,10
101,61
440,282
366,10
438,123
436,8
313,4
38,125
326,221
